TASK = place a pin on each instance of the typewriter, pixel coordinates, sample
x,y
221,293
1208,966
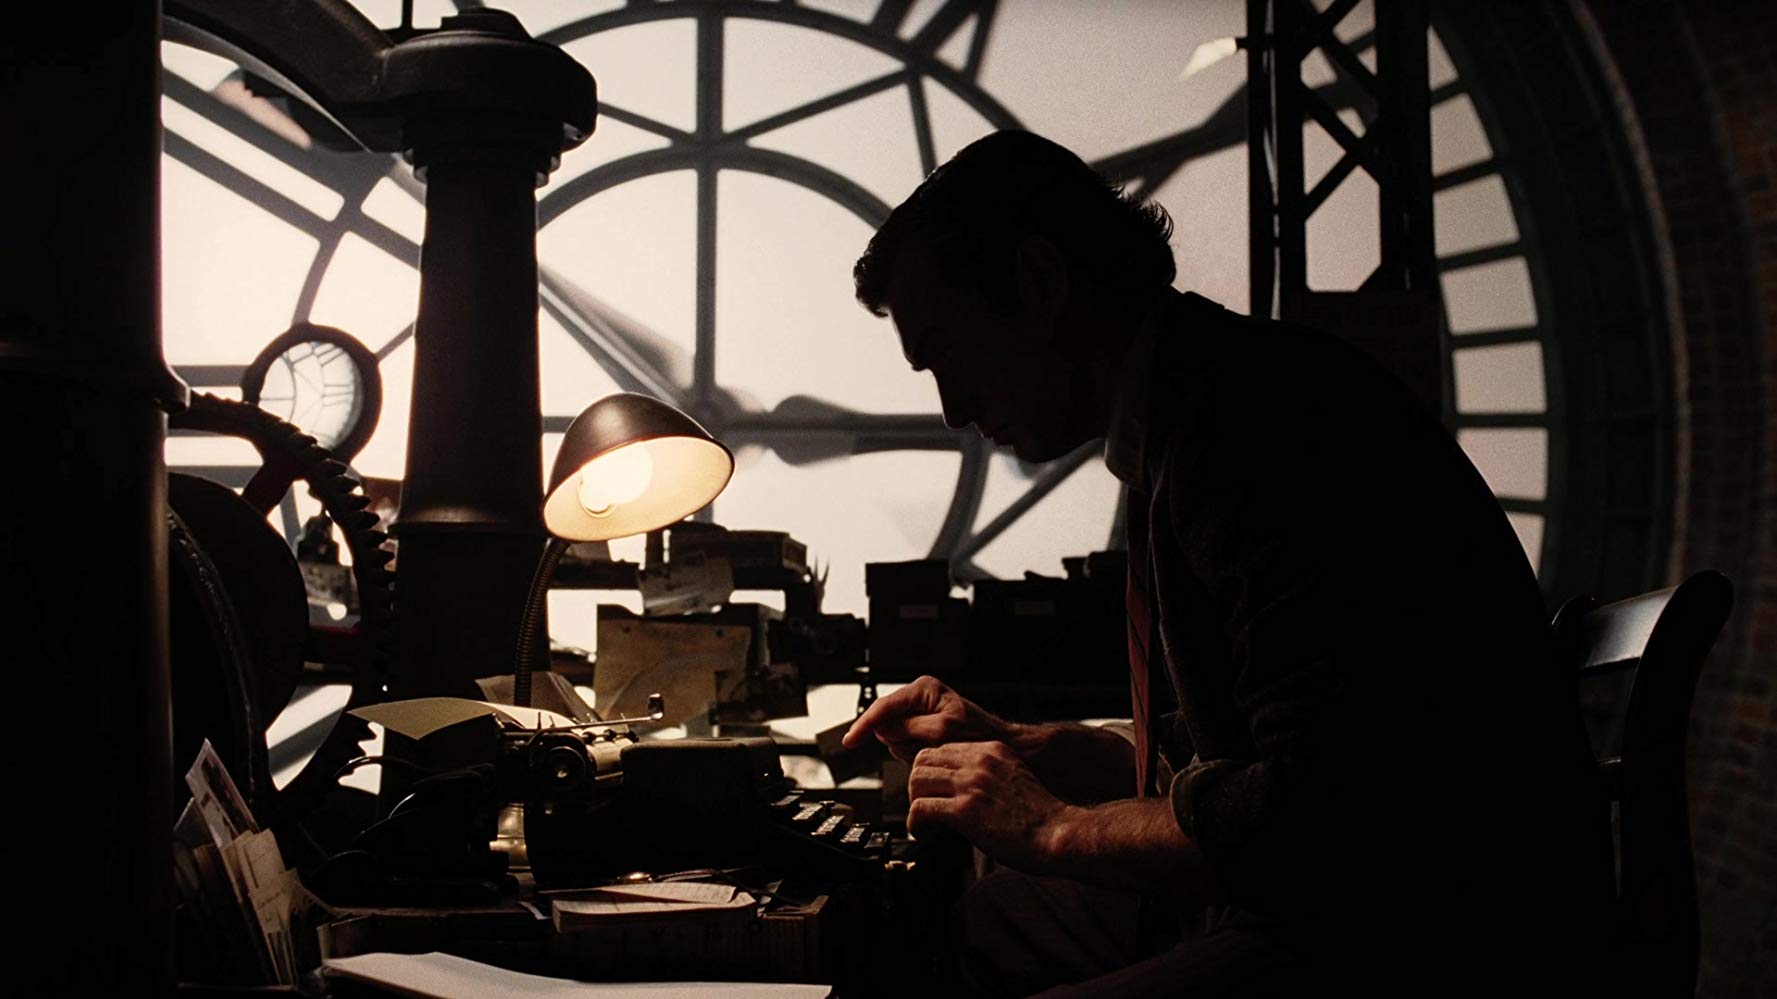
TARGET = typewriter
x,y
599,804
598,807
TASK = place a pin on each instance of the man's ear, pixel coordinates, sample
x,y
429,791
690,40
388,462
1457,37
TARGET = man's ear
x,y
1042,281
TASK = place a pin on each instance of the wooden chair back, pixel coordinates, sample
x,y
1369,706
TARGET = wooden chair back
x,y
1637,662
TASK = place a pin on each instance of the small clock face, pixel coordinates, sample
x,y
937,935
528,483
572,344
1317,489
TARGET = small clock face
x,y
322,380
315,386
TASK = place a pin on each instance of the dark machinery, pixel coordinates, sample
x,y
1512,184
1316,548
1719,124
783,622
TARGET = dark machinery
x,y
1033,648
597,802
241,631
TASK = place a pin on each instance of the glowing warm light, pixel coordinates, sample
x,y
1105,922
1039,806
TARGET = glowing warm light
x,y
615,478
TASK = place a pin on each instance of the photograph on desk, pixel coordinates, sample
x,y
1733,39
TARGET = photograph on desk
x,y
243,918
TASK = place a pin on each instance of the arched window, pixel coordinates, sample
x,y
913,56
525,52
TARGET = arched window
x,y
698,247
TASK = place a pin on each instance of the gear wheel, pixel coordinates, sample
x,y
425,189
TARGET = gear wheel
x,y
366,648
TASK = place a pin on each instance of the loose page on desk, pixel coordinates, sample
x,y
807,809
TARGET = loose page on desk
x,y
658,901
422,716
442,976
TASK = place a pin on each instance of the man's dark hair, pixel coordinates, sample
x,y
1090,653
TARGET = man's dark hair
x,y
972,213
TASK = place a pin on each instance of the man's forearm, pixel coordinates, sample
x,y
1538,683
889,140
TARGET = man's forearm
x,y
1132,845
1077,763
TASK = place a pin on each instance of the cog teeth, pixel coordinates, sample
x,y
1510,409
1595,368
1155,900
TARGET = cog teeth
x,y
361,520
340,492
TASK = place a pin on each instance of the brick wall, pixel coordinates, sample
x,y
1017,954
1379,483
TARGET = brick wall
x,y
1699,80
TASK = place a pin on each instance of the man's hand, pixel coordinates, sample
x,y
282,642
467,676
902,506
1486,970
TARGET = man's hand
x,y
983,792
926,713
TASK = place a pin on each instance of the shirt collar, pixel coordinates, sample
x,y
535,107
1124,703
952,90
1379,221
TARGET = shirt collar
x,y
1126,443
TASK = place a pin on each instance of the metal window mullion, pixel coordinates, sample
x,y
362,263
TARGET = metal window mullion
x,y
1323,35
1404,200
1465,174
1323,114
239,124
1046,483
710,30
1493,338
1330,182
1482,255
626,366
820,105
645,123
965,503
1521,504
946,22
1261,203
922,124
978,43
1323,22
218,170
1287,97
1441,94
395,342
381,236
890,15
1503,421
915,424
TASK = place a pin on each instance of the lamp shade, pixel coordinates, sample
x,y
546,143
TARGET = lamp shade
x,y
630,464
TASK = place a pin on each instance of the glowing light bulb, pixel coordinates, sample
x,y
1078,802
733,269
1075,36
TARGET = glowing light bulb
x,y
614,478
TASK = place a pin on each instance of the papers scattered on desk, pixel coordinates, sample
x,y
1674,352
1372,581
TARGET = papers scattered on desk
x,y
446,977
244,918
667,900
423,716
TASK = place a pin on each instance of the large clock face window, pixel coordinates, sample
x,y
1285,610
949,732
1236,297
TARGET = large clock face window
x,y
698,248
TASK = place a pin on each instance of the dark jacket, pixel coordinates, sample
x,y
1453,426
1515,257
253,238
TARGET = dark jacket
x,y
1372,741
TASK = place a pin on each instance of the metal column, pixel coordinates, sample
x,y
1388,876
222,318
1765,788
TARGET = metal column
x,y
1396,314
484,111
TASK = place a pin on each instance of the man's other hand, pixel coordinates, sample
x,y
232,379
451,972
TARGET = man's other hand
x,y
926,713
982,791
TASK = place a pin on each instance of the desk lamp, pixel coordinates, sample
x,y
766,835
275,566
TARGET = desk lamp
x,y
628,464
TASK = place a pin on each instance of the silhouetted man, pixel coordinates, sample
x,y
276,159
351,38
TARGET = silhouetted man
x,y
1354,759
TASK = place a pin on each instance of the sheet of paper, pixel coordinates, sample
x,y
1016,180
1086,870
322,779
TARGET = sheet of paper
x,y
192,830
217,798
709,892
230,915
531,718
548,690
446,977
236,866
265,865
421,716
640,656
271,904
666,898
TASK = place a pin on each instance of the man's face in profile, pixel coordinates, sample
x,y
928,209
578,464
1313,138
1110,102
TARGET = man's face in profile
x,y
1013,374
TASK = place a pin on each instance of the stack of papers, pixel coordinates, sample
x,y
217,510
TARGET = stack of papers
x,y
446,977
250,913
668,900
